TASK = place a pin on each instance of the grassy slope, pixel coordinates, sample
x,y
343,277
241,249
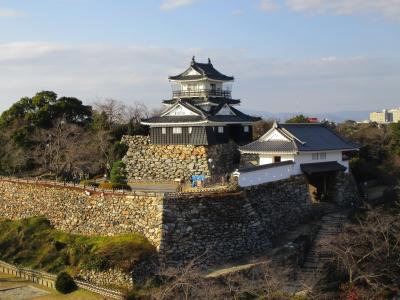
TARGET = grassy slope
x,y
34,243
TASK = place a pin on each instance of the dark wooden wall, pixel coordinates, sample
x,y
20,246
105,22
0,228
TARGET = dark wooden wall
x,y
201,135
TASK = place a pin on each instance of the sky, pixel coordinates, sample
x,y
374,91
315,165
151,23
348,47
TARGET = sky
x,y
307,56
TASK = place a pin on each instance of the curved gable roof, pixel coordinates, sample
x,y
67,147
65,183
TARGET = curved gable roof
x,y
206,70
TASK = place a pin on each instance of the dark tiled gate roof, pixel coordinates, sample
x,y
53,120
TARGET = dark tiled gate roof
x,y
323,167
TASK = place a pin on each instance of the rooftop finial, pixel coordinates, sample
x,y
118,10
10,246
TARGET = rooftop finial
x,y
209,61
193,60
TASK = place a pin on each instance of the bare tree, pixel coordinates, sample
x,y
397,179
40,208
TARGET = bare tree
x,y
65,149
136,112
188,282
368,253
113,109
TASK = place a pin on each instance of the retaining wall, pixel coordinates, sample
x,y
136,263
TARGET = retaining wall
x,y
146,161
72,210
216,227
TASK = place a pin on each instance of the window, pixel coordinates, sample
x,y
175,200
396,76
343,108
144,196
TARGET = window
x,y
177,130
164,130
277,159
190,130
246,128
220,129
319,156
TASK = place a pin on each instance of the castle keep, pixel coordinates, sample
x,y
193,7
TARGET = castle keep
x,y
197,133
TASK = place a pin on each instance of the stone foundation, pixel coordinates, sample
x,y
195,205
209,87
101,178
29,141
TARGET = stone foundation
x,y
345,191
73,211
281,204
211,227
108,278
146,161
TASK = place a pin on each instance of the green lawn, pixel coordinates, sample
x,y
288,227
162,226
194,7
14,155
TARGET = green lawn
x,y
35,244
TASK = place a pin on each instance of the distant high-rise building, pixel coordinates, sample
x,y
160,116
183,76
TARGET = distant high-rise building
x,y
386,116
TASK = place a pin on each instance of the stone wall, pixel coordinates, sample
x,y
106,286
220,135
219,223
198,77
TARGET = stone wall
x,y
73,211
281,205
112,277
146,161
345,191
219,228
211,229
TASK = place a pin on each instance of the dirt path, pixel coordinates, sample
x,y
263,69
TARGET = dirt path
x,y
12,288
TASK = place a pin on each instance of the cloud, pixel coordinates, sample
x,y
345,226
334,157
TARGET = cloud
x,y
132,73
388,8
238,12
173,4
268,5
10,13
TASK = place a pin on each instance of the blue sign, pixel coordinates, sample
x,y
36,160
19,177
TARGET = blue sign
x,y
196,178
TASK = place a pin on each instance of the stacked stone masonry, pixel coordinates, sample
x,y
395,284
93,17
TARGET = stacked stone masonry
x,y
74,211
214,227
345,191
146,161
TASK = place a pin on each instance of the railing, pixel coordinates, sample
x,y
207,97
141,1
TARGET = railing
x,y
49,280
208,182
202,93
83,187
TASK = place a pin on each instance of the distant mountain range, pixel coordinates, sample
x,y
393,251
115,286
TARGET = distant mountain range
x,y
339,116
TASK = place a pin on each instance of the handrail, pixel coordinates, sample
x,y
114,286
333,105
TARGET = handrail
x,y
36,276
202,92
88,188
82,187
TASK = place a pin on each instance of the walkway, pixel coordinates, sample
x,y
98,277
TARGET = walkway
x,y
306,277
310,273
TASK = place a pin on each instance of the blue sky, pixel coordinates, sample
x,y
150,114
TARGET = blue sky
x,y
290,55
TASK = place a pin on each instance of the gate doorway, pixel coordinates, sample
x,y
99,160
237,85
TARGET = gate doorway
x,y
321,186
321,179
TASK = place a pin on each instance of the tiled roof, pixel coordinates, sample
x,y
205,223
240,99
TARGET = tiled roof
x,y
301,137
316,137
203,115
174,119
206,71
270,146
323,167
266,166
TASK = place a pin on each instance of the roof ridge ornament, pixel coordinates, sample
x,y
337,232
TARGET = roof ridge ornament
x,y
193,60
209,61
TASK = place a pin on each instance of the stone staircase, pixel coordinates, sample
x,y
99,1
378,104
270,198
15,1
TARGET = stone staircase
x,y
310,273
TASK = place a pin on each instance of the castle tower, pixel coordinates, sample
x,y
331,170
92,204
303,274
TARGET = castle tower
x,y
201,111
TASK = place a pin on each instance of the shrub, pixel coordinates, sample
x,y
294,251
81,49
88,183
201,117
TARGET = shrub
x,y
115,186
90,183
118,173
121,186
65,284
106,185
132,295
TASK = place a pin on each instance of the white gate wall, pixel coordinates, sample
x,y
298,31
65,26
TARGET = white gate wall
x,y
265,175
